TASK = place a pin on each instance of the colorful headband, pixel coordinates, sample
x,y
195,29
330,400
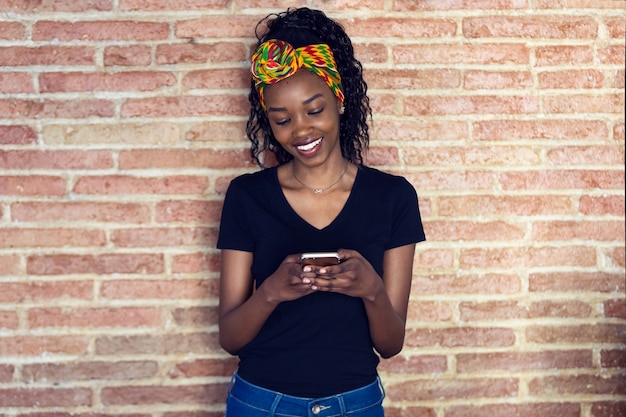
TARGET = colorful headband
x,y
276,60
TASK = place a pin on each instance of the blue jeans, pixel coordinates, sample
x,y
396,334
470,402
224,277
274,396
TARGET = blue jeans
x,y
248,400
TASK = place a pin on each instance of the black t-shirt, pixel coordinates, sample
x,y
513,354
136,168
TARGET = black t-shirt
x,y
320,344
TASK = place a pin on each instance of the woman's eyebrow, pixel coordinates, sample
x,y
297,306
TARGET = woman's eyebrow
x,y
307,101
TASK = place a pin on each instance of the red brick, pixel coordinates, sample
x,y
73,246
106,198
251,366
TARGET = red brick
x,y
157,344
555,55
578,230
181,394
429,311
455,105
616,27
15,237
615,308
80,211
609,409
435,258
409,411
196,316
524,361
71,109
217,27
506,310
128,56
100,31
196,262
158,289
204,368
55,6
571,79
413,79
224,79
415,364
410,5
551,27
12,30
84,371
450,180
217,131
512,130
461,336
461,54
467,284
577,4
370,52
618,129
492,80
164,237
183,158
562,180
45,397
513,257
65,160
381,155
580,103
21,292
14,56
613,358
403,27
95,264
601,205
164,5
186,211
576,281
586,155
54,82
476,156
43,345
201,53
338,5
508,410
6,373
615,256
8,320
417,130
15,82
17,135
439,389
32,185
94,317
584,333
179,106
612,55
489,205
578,384
470,231
119,184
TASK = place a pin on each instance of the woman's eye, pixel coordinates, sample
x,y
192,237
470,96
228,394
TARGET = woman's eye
x,y
282,122
315,112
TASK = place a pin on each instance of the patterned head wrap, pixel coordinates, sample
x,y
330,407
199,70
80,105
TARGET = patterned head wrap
x,y
276,60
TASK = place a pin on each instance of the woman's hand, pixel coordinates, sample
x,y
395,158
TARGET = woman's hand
x,y
354,276
288,282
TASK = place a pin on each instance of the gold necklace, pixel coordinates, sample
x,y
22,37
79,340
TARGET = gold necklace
x,y
319,190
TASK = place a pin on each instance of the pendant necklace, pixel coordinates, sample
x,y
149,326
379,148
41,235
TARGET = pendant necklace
x,y
319,190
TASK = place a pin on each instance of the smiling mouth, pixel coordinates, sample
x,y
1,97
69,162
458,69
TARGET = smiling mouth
x,y
309,146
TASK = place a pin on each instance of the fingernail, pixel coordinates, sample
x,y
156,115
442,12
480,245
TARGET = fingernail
x,y
306,281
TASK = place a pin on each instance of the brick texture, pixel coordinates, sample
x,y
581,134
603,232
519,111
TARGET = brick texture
x,y
122,123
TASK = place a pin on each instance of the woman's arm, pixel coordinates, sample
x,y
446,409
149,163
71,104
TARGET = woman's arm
x,y
242,311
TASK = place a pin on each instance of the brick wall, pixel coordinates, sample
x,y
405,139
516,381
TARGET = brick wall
x,y
122,123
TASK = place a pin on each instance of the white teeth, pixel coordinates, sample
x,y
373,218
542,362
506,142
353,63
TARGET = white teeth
x,y
309,146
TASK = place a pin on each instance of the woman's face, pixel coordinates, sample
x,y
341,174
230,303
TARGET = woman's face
x,y
304,116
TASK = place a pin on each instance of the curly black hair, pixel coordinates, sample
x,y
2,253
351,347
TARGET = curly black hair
x,y
300,27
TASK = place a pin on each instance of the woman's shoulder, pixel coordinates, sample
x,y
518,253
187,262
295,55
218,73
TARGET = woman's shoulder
x,y
252,180
385,180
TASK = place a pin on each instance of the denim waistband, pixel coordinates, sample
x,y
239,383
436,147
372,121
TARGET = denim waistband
x,y
277,404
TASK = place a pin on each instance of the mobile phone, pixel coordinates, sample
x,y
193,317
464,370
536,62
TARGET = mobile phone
x,y
320,258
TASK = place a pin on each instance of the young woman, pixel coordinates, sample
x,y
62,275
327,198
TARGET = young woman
x,y
309,337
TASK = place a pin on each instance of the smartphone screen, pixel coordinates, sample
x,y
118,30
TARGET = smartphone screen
x,y
320,258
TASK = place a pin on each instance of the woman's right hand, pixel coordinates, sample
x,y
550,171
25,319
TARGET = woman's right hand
x,y
288,282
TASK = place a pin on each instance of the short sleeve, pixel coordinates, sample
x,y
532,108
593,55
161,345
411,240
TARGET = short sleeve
x,y
406,222
235,232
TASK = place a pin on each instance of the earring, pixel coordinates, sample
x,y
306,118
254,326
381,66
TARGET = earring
x,y
342,109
